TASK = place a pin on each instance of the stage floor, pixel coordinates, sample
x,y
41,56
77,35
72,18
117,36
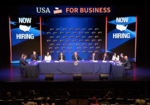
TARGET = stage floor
x,y
11,73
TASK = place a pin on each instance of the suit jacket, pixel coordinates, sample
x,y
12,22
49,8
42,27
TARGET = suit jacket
x,y
34,57
59,58
107,58
78,57
23,62
91,58
127,63
122,59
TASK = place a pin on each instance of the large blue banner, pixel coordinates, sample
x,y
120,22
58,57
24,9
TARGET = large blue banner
x,y
65,10
121,36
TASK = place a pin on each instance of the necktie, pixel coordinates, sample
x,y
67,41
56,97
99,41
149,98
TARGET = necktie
x,y
104,58
76,58
61,57
93,57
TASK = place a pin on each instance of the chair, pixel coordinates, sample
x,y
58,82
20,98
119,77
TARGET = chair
x,y
131,68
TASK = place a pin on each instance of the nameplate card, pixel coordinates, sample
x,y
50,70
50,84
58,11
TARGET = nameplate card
x,y
104,61
38,61
56,61
47,61
61,61
95,61
111,61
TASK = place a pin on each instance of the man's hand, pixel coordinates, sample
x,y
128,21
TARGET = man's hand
x,y
28,62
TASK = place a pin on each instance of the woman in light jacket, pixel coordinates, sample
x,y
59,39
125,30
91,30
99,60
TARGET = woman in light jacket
x,y
115,57
47,57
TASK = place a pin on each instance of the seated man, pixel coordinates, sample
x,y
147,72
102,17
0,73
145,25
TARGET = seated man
x,y
23,62
76,57
126,63
34,57
121,58
61,57
105,57
93,57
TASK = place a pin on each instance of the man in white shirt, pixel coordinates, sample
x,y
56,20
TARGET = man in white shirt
x,y
48,57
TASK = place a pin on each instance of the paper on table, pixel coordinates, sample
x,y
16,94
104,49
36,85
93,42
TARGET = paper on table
x,y
104,61
47,61
56,61
95,61
111,61
38,61
61,61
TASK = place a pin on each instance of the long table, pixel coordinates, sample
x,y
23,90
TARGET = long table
x,y
55,67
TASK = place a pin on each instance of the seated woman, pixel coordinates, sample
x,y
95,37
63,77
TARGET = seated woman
x,y
48,57
115,57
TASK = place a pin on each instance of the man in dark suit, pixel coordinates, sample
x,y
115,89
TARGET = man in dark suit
x,y
23,62
76,57
105,57
34,57
126,63
121,58
61,57
93,57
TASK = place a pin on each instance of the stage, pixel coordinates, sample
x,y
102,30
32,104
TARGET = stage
x,y
11,73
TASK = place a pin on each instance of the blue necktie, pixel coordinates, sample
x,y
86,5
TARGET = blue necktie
x,y
76,58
